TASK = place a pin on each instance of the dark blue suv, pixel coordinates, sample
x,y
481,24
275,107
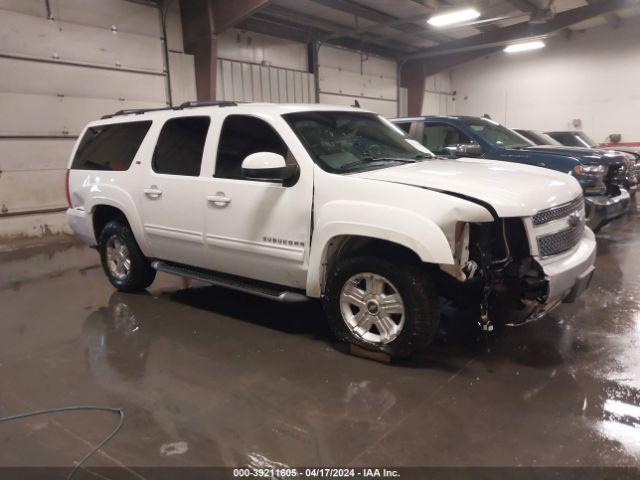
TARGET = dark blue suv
x,y
462,136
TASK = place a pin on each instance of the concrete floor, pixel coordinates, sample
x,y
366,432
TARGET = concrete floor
x,y
211,377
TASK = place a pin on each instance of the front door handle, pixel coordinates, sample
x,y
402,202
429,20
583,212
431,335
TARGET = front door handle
x,y
219,199
153,192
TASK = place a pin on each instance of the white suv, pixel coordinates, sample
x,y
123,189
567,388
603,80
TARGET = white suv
x,y
297,201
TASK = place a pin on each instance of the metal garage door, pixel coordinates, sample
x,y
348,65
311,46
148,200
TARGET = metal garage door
x,y
64,63
346,75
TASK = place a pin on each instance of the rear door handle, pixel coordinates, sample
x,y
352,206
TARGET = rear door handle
x,y
152,192
219,199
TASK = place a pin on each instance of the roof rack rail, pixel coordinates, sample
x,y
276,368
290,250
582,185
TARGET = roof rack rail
x,y
189,104
208,103
134,111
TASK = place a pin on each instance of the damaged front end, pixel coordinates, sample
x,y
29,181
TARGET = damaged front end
x,y
495,273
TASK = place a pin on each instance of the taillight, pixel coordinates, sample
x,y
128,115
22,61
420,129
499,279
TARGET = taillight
x,y
66,184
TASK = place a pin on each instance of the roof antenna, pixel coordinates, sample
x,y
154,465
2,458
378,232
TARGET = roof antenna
x,y
486,115
356,104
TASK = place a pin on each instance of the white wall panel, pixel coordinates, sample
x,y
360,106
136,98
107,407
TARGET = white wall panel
x,y
20,76
250,47
383,107
352,75
30,36
183,77
36,8
27,155
43,91
26,191
33,114
593,77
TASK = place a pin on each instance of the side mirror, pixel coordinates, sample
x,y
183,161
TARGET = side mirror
x,y
269,166
468,150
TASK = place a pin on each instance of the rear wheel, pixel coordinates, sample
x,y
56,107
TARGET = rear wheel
x,y
382,305
122,260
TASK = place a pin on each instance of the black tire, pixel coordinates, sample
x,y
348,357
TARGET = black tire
x,y
140,274
415,286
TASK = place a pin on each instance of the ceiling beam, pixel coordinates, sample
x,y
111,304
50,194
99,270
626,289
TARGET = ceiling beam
x,y
613,19
264,23
228,14
352,8
525,6
524,30
329,27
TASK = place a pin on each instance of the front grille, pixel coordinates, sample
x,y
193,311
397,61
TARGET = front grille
x,y
558,242
556,213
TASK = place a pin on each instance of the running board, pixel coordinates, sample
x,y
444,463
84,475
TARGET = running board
x,y
260,289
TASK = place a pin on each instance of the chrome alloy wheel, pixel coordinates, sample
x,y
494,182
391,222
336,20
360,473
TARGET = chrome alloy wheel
x,y
372,308
118,258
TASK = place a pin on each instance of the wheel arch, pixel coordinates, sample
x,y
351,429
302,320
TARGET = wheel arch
x,y
339,240
106,210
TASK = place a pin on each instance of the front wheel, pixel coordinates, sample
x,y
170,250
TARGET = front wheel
x,y
122,260
382,305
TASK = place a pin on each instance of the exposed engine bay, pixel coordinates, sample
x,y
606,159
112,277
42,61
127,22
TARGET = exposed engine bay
x,y
497,275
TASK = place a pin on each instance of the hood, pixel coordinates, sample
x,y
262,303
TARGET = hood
x,y
585,155
512,189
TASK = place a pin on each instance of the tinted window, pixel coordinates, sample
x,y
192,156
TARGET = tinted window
x,y
110,147
567,138
497,135
443,139
404,126
348,141
180,146
240,137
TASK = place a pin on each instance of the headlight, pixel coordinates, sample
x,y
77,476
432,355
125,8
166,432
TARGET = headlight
x,y
593,169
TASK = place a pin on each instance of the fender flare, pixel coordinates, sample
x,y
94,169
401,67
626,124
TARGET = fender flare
x,y
131,214
408,229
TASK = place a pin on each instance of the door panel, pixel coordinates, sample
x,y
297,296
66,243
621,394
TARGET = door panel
x,y
256,229
171,206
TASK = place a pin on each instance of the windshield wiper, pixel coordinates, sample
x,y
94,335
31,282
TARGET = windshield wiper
x,y
370,160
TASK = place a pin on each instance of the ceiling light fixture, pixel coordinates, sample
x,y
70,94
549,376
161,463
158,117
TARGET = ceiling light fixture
x,y
523,47
457,16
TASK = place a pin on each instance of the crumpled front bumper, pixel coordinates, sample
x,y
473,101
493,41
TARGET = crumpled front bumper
x,y
601,209
568,276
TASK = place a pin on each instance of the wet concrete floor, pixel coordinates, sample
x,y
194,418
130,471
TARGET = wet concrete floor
x,y
212,377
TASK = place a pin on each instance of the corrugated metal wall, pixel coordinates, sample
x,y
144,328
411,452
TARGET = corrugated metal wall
x,y
64,63
250,82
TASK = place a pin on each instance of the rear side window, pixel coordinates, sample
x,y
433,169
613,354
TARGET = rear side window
x,y
180,146
241,136
110,147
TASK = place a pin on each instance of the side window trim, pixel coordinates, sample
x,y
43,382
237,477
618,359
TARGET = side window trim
x,y
289,157
207,139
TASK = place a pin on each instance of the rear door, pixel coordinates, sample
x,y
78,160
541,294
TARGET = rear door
x,y
256,229
171,207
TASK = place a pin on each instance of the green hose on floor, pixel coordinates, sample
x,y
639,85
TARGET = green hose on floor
x,y
106,440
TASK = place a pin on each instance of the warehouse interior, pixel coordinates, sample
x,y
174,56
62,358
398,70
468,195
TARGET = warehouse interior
x,y
207,377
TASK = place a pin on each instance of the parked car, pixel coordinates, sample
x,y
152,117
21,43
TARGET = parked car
x,y
463,136
296,201
627,177
538,138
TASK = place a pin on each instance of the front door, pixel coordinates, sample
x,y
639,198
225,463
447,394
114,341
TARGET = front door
x,y
171,207
256,229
